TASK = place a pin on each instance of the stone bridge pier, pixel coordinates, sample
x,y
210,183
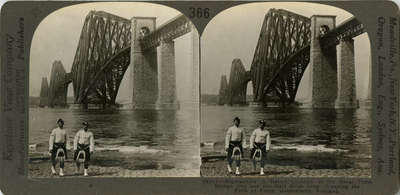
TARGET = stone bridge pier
x,y
153,79
166,77
347,97
332,83
323,65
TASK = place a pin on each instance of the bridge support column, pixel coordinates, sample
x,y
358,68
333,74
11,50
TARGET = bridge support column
x,y
144,73
44,93
323,65
167,77
368,100
58,86
347,97
195,63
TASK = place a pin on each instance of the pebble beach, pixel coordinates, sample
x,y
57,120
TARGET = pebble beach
x,y
219,169
290,163
40,163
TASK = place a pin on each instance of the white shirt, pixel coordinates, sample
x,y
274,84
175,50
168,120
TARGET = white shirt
x,y
260,136
84,137
234,134
58,135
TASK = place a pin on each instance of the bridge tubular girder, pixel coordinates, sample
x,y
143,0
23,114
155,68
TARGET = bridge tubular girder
x,y
101,59
283,35
58,86
172,29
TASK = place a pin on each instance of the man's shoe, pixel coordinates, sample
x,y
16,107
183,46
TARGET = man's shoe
x,y
61,172
85,173
229,169
53,171
237,172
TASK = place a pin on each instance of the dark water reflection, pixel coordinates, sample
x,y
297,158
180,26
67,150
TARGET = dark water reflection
x,y
134,139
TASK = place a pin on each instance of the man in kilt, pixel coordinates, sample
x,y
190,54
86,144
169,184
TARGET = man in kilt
x,y
58,140
83,141
234,142
260,144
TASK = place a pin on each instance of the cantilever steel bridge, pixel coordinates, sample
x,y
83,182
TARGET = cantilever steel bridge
x,y
281,56
103,56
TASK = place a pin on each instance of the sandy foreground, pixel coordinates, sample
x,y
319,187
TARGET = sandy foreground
x,y
42,170
291,163
40,167
219,169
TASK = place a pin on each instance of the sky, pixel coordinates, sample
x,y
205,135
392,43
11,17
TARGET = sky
x,y
57,36
234,33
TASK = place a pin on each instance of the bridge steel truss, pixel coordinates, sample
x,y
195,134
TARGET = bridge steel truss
x,y
223,91
103,54
101,59
172,29
345,31
237,86
58,87
281,55
44,93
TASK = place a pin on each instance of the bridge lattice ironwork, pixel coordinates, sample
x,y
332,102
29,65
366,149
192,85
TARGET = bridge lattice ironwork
x,y
283,53
280,57
101,58
172,29
346,30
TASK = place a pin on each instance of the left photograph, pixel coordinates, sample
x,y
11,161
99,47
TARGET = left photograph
x,y
114,92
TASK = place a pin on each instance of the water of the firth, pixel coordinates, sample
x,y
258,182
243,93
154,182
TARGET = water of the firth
x,y
136,139
300,128
169,139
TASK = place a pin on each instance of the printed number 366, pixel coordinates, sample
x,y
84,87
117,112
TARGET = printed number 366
x,y
199,12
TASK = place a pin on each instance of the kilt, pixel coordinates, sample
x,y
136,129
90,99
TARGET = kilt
x,y
57,146
259,146
84,147
233,144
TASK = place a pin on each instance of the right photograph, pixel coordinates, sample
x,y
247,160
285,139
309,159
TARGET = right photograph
x,y
285,92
